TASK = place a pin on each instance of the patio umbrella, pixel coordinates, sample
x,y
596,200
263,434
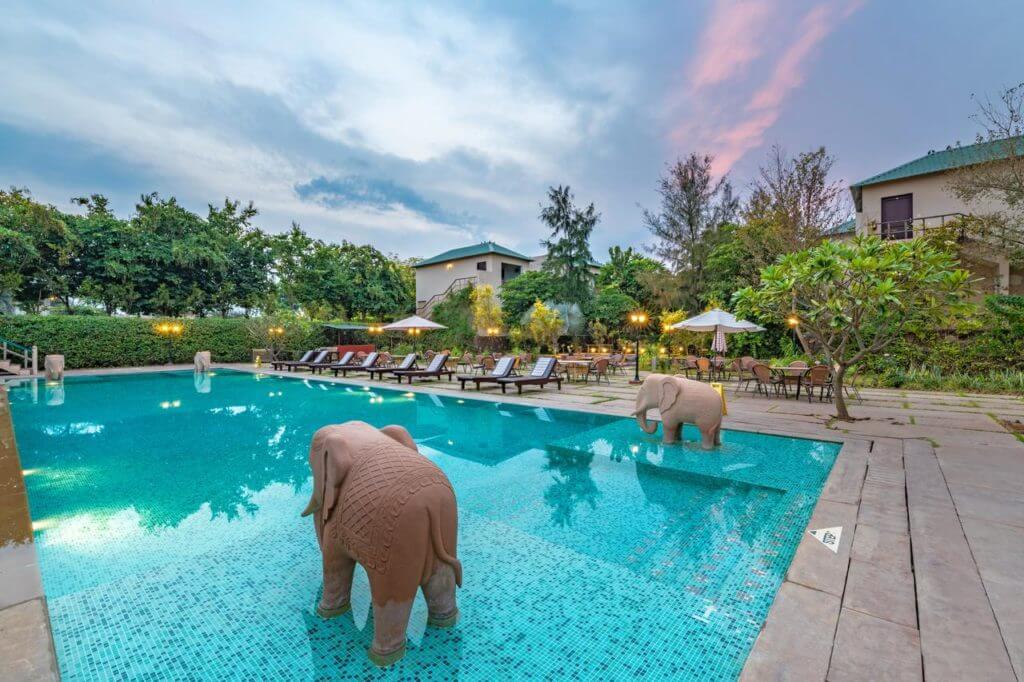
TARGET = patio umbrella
x,y
415,323
719,322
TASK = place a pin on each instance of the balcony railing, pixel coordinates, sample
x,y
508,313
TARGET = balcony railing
x,y
914,227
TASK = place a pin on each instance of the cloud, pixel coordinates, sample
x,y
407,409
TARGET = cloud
x,y
730,42
357,191
752,55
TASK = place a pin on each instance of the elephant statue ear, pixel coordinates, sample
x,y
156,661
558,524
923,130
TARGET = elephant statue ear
x,y
399,434
670,390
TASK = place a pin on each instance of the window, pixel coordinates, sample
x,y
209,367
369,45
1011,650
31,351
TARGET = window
x,y
510,271
481,265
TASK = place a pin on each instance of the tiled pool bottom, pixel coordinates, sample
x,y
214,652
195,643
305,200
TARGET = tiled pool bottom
x,y
171,546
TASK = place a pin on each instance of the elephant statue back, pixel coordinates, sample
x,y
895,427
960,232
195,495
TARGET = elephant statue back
x,y
54,367
202,361
378,502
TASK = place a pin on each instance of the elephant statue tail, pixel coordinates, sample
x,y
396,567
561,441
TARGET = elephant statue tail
x,y
437,539
316,500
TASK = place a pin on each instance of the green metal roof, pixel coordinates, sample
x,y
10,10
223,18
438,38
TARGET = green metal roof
x,y
346,326
948,159
481,249
846,227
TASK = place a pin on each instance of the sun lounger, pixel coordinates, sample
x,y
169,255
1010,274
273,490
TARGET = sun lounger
x,y
502,370
408,362
434,369
543,373
321,357
281,364
329,363
368,362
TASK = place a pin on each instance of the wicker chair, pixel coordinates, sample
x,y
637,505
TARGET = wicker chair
x,y
599,369
766,379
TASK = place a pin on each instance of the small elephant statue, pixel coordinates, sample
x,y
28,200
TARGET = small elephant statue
x,y
54,367
680,400
380,503
202,361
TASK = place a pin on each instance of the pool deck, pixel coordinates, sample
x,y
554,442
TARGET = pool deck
x,y
928,489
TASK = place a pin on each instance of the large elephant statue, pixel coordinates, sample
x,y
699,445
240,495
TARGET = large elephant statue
x,y
380,503
680,400
202,361
54,367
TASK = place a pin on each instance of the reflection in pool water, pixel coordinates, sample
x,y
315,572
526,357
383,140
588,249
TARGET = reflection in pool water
x,y
167,522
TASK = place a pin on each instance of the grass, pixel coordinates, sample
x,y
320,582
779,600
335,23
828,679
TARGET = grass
x,y
934,379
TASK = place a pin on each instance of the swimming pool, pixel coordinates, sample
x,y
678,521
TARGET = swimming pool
x,y
166,509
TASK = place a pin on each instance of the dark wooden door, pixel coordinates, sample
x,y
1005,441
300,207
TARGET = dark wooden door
x,y
897,217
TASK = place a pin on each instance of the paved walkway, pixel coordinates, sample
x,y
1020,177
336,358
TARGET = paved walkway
x,y
926,583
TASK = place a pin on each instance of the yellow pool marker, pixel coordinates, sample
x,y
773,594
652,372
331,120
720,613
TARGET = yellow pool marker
x,y
721,391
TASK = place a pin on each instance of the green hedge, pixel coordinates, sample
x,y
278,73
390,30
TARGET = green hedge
x,y
99,341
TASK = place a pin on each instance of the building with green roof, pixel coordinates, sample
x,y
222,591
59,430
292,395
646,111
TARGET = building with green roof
x,y
905,201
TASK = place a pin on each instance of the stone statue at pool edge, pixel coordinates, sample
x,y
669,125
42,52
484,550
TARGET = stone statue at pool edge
x,y
680,401
380,503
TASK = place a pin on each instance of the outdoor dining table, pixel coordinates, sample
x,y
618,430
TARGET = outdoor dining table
x,y
575,368
793,375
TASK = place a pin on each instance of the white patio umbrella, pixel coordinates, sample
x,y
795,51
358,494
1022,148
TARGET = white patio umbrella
x,y
719,322
414,323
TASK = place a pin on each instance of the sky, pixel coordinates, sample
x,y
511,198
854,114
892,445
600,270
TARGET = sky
x,y
428,126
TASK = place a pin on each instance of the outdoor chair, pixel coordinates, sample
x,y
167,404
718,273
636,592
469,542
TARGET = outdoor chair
x,y
436,369
617,363
466,362
282,364
502,369
542,374
408,362
321,357
690,365
368,362
768,381
819,377
599,370
484,364
703,369
851,388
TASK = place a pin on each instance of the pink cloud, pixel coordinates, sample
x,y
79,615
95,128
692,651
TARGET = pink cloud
x,y
731,41
730,138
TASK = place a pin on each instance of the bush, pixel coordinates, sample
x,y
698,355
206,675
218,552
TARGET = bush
x,y
100,341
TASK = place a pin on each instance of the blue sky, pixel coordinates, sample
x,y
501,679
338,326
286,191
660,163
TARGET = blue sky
x,y
419,128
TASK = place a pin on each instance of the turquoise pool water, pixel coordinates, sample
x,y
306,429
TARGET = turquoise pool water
x,y
167,522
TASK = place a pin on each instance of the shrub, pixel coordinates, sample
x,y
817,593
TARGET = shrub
x,y
100,341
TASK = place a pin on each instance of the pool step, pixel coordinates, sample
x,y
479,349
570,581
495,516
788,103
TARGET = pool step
x,y
7,368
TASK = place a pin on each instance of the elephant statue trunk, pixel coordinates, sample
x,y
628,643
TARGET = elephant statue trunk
x,y
641,419
378,502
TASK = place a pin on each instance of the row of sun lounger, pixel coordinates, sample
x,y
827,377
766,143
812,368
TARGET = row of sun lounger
x,y
503,374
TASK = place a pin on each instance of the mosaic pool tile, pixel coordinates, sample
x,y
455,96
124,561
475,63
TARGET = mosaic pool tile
x,y
171,545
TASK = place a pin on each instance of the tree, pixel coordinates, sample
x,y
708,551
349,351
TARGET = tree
x,y
793,205
544,326
999,177
518,295
692,204
611,307
625,270
854,298
568,250
486,311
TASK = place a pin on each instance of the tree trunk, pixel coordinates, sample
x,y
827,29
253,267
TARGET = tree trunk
x,y
839,372
804,343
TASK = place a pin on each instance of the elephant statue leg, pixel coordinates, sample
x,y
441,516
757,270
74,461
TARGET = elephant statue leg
x,y
671,431
710,435
338,569
440,594
390,622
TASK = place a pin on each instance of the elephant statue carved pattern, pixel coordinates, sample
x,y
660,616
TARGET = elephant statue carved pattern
x,y
680,401
380,503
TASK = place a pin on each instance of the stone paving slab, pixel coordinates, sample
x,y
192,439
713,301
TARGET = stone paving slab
x,y
986,504
789,646
882,547
869,648
960,638
999,552
815,565
25,646
882,592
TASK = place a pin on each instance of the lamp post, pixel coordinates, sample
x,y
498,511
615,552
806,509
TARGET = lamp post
x,y
170,331
639,320
274,333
